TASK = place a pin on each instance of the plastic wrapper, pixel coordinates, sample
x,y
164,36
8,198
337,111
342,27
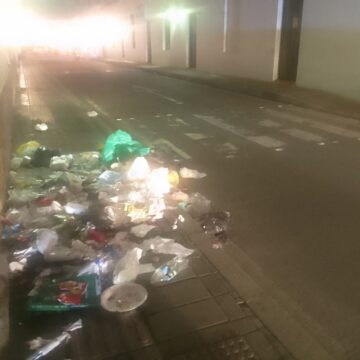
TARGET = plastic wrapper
x,y
18,197
117,215
180,196
128,267
53,208
41,127
27,149
124,297
16,163
66,293
165,246
86,160
42,157
141,230
121,146
187,173
216,223
18,215
198,205
169,270
46,240
76,209
50,345
109,177
62,162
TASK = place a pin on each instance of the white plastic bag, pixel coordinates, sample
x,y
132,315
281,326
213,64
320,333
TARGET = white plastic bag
x,y
187,173
46,240
165,246
128,267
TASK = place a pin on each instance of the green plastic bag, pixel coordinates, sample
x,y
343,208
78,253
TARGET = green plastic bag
x,y
120,146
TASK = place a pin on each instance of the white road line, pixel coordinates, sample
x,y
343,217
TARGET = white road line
x,y
303,135
173,147
269,123
196,136
97,107
154,92
332,129
181,121
265,141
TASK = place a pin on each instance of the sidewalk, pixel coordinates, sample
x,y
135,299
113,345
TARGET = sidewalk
x,y
281,92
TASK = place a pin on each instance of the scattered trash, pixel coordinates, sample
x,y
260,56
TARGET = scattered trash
x,y
61,162
42,157
139,169
198,205
165,246
73,208
121,146
191,174
141,230
216,223
66,293
124,297
75,226
51,345
128,267
46,240
109,177
169,270
27,148
41,127
92,114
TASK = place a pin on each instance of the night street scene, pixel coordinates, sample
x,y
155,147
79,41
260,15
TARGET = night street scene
x,y
179,180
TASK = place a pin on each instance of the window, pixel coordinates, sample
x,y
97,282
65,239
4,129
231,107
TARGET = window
x,y
166,35
133,35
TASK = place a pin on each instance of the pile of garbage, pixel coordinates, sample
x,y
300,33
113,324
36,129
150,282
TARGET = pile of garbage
x,y
84,225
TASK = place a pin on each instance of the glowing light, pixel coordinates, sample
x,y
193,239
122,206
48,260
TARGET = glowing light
x,y
19,27
158,182
176,16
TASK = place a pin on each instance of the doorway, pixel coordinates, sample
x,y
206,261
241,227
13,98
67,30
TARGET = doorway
x,y
192,41
148,41
290,39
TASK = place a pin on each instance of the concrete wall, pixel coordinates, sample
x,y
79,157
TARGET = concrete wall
x,y
250,39
6,97
329,50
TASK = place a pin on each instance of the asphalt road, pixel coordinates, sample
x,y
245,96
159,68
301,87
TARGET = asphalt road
x,y
289,176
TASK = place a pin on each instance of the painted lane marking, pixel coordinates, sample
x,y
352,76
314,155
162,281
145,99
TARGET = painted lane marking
x,y
97,107
181,121
266,141
173,147
196,136
269,123
262,140
303,135
156,93
332,129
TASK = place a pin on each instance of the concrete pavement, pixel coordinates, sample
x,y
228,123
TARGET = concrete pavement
x,y
288,175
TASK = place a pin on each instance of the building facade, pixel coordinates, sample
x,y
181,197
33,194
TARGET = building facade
x,y
310,42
